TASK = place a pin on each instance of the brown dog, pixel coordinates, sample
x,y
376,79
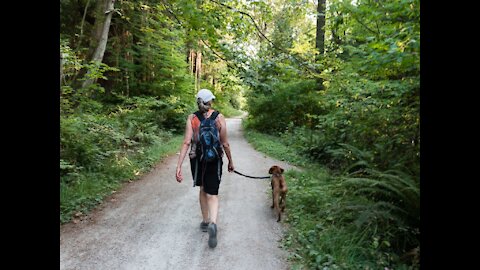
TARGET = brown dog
x,y
279,190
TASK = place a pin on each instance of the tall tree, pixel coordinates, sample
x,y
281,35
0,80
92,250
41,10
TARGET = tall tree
x,y
61,68
104,14
320,38
198,70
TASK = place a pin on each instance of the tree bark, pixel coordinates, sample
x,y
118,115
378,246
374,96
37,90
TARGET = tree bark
x,y
193,70
81,25
127,87
320,38
190,60
105,10
198,70
61,68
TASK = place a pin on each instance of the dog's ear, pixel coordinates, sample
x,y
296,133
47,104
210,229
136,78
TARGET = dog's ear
x,y
271,169
281,170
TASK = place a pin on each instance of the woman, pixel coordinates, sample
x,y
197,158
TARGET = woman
x,y
206,175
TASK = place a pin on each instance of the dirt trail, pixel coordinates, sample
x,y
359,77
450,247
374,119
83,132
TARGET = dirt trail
x,y
153,223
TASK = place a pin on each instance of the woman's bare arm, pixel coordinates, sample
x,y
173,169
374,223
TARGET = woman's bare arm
x,y
224,140
185,145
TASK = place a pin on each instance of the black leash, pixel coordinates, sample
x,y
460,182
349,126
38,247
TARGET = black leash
x,y
256,177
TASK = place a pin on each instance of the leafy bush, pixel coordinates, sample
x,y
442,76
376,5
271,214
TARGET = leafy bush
x,y
358,217
382,117
342,223
291,104
107,145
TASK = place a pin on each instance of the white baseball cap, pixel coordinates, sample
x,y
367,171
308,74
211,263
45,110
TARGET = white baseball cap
x,y
205,94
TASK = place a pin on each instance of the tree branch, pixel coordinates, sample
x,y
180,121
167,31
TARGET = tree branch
x,y
361,23
300,62
248,15
214,52
81,25
366,27
167,8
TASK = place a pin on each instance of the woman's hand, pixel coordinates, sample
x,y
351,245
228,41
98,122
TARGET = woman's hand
x,y
179,175
230,166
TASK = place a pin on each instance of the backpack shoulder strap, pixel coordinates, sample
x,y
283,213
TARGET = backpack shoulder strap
x,y
214,115
199,115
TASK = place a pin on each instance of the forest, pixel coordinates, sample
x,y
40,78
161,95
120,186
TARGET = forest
x,y
336,83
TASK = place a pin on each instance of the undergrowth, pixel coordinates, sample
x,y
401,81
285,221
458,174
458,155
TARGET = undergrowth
x,y
363,219
81,192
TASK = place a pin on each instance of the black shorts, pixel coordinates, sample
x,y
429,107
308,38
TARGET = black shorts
x,y
207,175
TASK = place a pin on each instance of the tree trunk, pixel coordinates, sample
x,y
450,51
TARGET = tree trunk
x,y
193,68
190,61
320,38
104,11
198,70
61,68
81,25
127,87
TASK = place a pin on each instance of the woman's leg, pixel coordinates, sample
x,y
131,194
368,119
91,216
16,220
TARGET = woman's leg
x,y
203,204
212,202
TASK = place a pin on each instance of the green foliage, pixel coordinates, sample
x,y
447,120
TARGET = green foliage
x,y
364,127
228,111
290,104
110,144
74,98
88,139
365,218
168,113
385,37
382,117
367,215
225,102
275,147
142,93
154,48
367,133
80,194
96,70
71,61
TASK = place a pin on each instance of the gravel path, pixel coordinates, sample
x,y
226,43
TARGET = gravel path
x,y
153,223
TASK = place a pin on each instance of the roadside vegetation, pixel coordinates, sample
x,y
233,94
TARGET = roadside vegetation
x,y
334,220
354,127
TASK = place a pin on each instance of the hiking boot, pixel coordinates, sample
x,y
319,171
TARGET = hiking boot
x,y
212,235
203,226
